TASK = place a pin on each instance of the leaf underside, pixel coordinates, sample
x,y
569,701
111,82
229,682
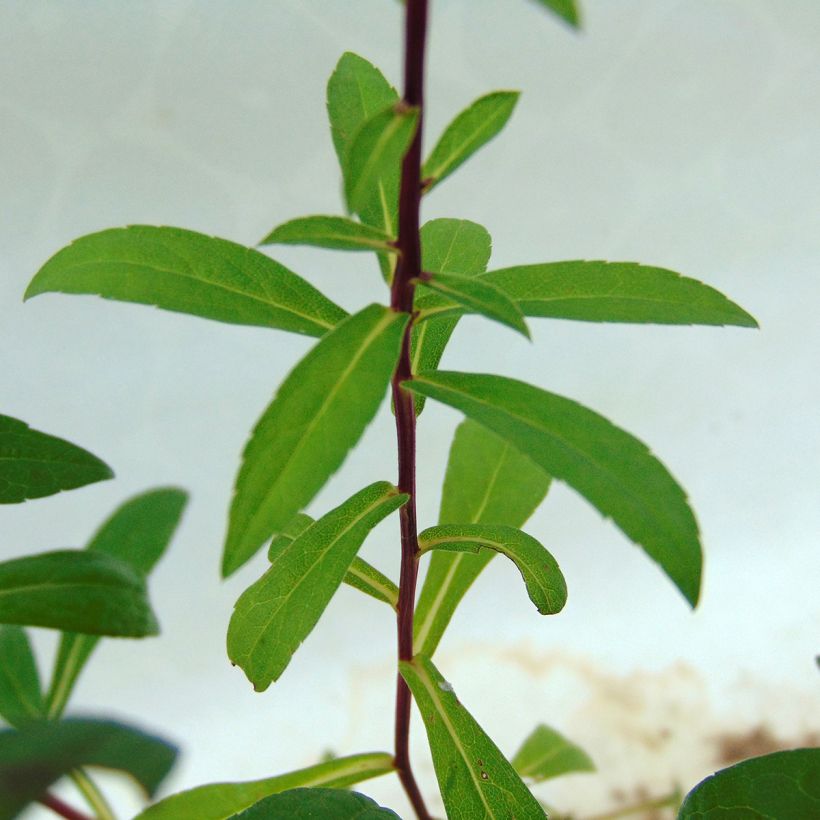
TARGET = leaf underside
x,y
311,804
21,697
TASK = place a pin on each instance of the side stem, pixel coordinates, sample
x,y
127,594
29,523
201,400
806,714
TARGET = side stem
x,y
58,806
408,269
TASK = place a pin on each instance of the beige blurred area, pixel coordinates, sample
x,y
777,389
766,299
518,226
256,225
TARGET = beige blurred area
x,y
681,134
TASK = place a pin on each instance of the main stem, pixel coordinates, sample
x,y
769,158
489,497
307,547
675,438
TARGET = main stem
x,y
408,269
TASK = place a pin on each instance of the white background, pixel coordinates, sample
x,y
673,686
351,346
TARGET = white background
x,y
682,134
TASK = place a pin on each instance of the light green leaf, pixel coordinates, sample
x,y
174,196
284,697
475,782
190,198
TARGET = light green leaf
x,y
21,698
39,754
487,481
319,413
376,151
188,272
616,292
779,786
35,464
219,801
295,527
470,130
274,615
545,582
477,297
330,232
78,591
475,779
611,469
547,753
311,804
567,10
138,533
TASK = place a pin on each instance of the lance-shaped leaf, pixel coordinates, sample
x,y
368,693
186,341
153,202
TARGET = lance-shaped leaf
x,y
219,801
470,130
275,614
188,272
77,591
319,413
609,467
615,292
567,10
487,481
21,698
779,786
138,533
540,571
376,151
360,574
330,232
476,296
308,804
475,779
35,464
39,754
546,754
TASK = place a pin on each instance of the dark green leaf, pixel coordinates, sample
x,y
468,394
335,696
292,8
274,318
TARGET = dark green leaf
x,y
376,151
188,272
21,698
219,801
39,754
330,232
474,295
470,130
319,413
616,292
610,468
487,481
779,786
312,804
137,533
547,753
274,615
35,464
77,591
545,583
567,10
475,779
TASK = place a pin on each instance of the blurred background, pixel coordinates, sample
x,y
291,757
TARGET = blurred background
x,y
681,134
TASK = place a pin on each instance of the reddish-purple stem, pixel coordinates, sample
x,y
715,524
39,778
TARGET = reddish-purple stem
x,y
62,808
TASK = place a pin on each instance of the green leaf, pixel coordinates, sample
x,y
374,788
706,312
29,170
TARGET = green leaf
x,y
295,527
188,272
475,779
545,582
78,591
330,232
35,464
477,297
39,754
546,754
470,130
376,151
611,469
319,413
311,804
616,292
275,614
779,786
138,533
219,801
567,10
487,481
21,698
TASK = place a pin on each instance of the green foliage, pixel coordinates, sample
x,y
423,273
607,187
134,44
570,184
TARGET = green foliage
x,y
778,786
611,469
330,232
35,464
188,272
274,615
476,780
368,579
21,698
76,591
307,804
319,413
546,754
219,801
567,10
40,753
